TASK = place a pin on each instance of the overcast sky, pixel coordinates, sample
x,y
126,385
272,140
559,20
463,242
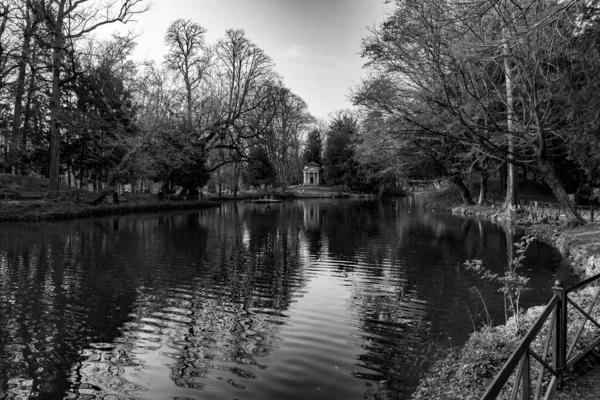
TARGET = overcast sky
x,y
315,44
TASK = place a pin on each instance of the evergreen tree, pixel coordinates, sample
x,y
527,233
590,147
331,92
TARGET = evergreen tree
x,y
314,147
338,160
260,170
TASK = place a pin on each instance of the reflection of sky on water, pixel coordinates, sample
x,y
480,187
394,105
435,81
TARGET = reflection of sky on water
x,y
310,299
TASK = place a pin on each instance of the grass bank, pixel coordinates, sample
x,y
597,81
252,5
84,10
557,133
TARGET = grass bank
x,y
48,211
24,198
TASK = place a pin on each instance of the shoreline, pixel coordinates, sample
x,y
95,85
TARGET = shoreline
x,y
39,210
579,246
466,371
42,211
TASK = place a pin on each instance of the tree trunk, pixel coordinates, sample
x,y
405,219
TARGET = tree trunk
x,y
69,173
464,190
550,177
236,172
547,169
510,254
19,92
30,89
189,103
55,100
512,179
220,180
483,189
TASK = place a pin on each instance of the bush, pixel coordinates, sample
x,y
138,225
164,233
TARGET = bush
x,y
465,373
442,200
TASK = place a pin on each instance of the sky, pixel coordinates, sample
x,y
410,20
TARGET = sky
x,y
315,44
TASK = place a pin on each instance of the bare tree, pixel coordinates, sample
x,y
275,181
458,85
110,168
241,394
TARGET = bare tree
x,y
282,141
29,22
188,55
7,41
460,70
243,94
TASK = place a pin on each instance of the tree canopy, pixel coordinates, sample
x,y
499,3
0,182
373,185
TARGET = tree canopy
x,y
461,91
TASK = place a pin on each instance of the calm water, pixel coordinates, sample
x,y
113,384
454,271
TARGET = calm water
x,y
314,299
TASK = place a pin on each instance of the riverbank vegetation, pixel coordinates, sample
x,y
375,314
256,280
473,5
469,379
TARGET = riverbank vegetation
x,y
466,372
41,210
26,198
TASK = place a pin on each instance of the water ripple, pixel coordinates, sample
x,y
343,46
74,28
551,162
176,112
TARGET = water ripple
x,y
308,299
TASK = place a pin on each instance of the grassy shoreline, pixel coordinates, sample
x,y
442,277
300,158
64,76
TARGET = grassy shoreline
x,y
49,211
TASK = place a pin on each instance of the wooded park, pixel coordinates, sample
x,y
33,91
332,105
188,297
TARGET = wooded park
x,y
458,91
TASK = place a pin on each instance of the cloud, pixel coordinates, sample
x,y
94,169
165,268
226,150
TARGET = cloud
x,y
295,51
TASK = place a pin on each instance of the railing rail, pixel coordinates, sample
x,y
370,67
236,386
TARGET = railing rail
x,y
557,352
521,357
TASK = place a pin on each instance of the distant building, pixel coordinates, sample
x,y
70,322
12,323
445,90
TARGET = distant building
x,y
312,173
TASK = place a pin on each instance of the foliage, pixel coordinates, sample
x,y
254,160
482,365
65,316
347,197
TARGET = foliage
x,y
580,86
313,149
512,283
442,200
98,122
260,170
338,160
465,373
482,75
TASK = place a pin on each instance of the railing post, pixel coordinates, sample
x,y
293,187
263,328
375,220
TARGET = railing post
x,y
525,377
560,331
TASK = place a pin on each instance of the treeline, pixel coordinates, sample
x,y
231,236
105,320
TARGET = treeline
x,y
341,149
80,110
468,90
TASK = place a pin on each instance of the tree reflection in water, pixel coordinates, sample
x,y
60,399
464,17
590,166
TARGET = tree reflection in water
x,y
317,298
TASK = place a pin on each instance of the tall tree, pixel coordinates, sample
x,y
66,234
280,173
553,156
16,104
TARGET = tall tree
x,y
313,148
282,138
67,21
29,26
338,160
260,170
189,56
242,98
98,118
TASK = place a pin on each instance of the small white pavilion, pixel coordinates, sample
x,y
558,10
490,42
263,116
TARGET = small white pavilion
x,y
312,173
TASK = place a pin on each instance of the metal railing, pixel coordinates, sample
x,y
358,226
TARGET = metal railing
x,y
560,348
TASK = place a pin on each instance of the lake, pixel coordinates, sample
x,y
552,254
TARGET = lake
x,y
309,299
